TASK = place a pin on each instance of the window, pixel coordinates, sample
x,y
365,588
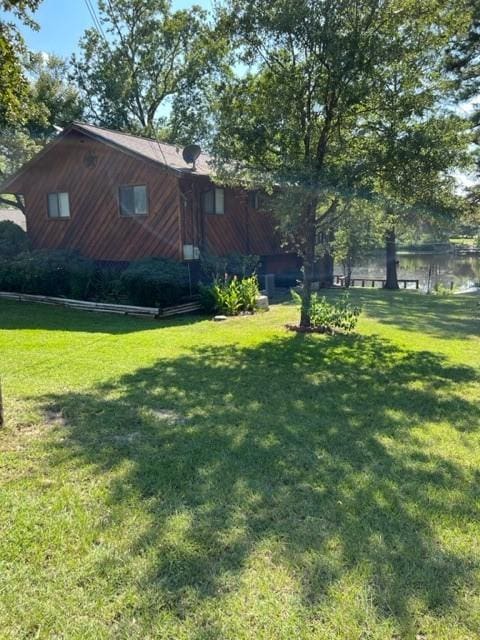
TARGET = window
x,y
133,201
214,201
253,200
58,205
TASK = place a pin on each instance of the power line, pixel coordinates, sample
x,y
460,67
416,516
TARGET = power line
x,y
96,21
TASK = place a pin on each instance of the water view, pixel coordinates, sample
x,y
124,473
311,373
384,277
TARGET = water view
x,y
443,268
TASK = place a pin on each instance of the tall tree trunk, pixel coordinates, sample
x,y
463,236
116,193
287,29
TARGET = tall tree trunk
x,y
327,264
391,253
347,272
308,260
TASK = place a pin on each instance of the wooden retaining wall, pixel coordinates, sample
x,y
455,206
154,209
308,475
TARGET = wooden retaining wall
x,y
103,307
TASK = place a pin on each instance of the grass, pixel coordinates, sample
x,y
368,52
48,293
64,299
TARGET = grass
x,y
195,480
471,241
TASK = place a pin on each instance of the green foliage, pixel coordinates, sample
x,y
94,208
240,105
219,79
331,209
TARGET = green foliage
x,y
234,264
302,122
13,240
208,298
357,233
14,93
440,289
150,282
53,101
155,282
232,296
51,273
153,56
178,480
328,316
106,286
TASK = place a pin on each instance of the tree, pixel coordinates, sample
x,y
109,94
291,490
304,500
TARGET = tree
x,y
356,234
463,60
413,142
53,102
14,86
413,150
145,58
320,67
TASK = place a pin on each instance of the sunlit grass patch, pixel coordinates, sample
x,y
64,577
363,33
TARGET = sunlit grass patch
x,y
199,480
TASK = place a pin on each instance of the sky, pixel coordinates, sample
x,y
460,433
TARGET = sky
x,y
62,23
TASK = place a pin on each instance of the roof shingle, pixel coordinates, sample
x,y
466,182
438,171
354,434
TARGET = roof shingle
x,y
166,154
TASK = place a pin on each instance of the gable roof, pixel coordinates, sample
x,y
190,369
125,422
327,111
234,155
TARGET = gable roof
x,y
162,153
168,155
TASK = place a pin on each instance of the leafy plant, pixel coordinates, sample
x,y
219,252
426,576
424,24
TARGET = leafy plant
x,y
328,316
234,264
249,292
232,296
155,281
51,273
13,240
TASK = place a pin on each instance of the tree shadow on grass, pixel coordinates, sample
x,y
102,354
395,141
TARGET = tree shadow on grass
x,y
313,446
21,315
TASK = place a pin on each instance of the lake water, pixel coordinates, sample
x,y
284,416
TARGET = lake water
x,y
444,267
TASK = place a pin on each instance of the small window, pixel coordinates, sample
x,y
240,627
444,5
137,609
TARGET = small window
x,y
58,205
133,201
254,200
214,201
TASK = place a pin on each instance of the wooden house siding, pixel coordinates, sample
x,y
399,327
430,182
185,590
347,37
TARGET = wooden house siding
x,y
95,227
91,164
240,229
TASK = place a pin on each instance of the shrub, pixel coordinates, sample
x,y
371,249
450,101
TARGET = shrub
x,y
155,282
232,296
106,286
13,240
327,316
208,299
50,273
234,264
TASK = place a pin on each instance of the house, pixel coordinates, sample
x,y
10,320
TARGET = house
x,y
117,197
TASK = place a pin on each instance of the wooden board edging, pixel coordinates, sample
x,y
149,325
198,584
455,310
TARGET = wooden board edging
x,y
103,307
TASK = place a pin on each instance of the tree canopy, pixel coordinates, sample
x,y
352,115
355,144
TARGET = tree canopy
x,y
327,76
145,59
14,87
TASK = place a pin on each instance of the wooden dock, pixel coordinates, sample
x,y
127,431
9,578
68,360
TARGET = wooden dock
x,y
371,282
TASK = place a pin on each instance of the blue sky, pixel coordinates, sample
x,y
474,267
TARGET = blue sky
x,y
62,23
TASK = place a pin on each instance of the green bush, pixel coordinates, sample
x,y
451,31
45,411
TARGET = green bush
x,y
150,282
234,264
232,296
155,282
13,240
50,273
106,286
328,316
208,299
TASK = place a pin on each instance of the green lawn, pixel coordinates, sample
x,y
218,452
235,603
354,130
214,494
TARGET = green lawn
x,y
469,242
195,480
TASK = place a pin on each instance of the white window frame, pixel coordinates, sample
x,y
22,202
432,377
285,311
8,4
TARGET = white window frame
x,y
58,205
134,214
217,196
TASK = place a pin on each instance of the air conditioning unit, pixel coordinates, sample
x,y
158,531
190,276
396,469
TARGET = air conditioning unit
x,y
191,252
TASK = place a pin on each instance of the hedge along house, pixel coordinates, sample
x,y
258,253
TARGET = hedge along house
x,y
117,197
